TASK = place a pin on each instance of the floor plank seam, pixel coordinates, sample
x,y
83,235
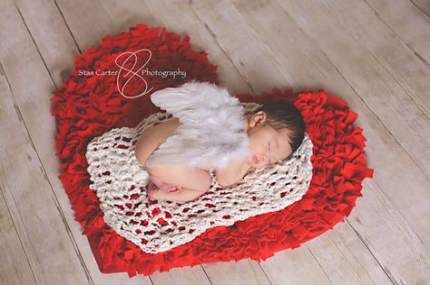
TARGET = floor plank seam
x,y
19,238
213,35
319,264
386,271
419,9
364,102
265,273
55,200
35,45
207,276
67,26
420,57
419,105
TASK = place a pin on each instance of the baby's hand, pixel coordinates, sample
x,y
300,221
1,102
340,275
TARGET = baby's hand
x,y
233,173
256,160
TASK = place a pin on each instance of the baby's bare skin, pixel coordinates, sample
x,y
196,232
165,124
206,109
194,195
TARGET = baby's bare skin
x,y
189,182
183,183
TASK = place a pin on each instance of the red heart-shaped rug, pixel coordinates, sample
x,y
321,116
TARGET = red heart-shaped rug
x,y
90,103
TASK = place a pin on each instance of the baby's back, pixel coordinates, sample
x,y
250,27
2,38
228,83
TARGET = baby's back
x,y
154,136
186,176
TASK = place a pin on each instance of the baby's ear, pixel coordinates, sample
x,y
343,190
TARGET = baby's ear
x,y
257,118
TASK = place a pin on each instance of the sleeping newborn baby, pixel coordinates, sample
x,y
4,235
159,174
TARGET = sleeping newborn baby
x,y
208,131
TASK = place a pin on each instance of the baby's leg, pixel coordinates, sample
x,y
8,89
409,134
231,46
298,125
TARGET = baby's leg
x,y
183,176
191,182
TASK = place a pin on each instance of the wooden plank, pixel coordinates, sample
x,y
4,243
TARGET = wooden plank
x,y
51,36
298,266
104,20
57,49
377,87
409,21
132,12
167,14
82,20
14,264
261,76
293,49
245,271
54,43
398,36
403,48
181,276
393,241
354,265
228,75
219,17
423,6
320,257
27,191
368,81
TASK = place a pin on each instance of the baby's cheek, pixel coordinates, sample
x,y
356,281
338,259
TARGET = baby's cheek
x,y
259,148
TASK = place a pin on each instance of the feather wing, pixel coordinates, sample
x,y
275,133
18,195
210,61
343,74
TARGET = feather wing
x,y
211,131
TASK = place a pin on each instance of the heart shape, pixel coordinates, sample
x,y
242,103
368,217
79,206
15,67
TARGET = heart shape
x,y
89,104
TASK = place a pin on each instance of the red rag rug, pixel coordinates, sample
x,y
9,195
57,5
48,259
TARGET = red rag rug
x,y
89,104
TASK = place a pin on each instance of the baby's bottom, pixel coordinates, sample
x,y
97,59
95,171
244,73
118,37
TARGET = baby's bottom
x,y
178,183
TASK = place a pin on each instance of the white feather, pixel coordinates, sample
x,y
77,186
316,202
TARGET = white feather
x,y
211,131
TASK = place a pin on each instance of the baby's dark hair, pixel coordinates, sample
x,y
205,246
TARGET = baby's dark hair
x,y
283,114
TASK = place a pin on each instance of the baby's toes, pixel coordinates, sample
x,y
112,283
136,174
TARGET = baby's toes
x,y
168,188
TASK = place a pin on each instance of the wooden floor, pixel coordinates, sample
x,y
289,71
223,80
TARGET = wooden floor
x,y
373,53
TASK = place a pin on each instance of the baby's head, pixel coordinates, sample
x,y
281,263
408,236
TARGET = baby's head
x,y
275,130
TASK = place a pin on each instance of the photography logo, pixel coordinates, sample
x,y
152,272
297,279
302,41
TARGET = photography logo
x,y
130,69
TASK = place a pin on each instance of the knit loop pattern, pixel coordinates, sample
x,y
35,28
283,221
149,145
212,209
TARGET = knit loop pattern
x,y
119,181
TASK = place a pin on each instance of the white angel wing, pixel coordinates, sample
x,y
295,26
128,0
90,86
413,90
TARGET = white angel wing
x,y
212,129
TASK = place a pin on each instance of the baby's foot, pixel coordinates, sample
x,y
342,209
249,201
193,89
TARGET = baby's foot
x,y
163,186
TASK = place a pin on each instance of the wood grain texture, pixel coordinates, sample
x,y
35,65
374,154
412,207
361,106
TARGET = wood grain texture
x,y
14,264
28,193
373,53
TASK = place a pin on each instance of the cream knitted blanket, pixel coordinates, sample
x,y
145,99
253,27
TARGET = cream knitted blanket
x,y
120,184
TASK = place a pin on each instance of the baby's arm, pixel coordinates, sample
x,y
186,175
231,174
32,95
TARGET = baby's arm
x,y
232,173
